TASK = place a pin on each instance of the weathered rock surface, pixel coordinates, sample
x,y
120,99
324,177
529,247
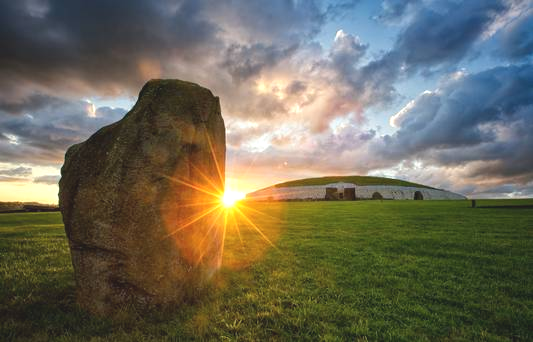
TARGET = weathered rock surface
x,y
134,223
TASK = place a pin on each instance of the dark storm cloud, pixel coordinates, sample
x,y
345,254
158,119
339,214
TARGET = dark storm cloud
x,y
43,136
504,191
296,87
244,62
20,171
376,79
27,104
443,34
517,39
438,34
394,10
485,118
47,179
95,45
102,48
279,21
73,49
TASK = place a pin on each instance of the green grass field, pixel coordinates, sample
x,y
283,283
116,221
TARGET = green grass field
x,y
368,270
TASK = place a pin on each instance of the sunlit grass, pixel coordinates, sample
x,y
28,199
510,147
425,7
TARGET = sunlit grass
x,y
380,270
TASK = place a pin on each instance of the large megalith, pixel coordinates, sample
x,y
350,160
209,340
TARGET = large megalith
x,y
139,200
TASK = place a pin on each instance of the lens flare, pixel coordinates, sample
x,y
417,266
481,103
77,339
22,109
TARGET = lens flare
x,y
231,197
211,221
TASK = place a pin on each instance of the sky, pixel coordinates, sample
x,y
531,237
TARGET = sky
x,y
435,92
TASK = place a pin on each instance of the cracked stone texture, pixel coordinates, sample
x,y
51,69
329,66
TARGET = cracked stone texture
x,y
132,223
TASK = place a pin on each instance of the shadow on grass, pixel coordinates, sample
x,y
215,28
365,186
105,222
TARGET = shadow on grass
x,y
37,298
49,311
37,289
505,207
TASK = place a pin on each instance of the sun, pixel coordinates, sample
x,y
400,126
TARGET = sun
x,y
231,197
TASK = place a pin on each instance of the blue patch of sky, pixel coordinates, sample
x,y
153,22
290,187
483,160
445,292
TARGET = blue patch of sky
x,y
117,102
360,21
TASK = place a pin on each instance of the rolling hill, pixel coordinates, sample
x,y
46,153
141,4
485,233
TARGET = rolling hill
x,y
357,180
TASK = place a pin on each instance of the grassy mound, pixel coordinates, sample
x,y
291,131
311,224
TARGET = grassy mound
x,y
357,180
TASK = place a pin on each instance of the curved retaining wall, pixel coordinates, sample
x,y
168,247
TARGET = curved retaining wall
x,y
318,192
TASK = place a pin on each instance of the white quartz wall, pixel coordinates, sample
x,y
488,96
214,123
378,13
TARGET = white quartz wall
x,y
318,192
315,192
405,192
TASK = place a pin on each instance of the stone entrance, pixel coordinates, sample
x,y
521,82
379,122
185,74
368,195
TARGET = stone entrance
x,y
349,194
331,194
377,196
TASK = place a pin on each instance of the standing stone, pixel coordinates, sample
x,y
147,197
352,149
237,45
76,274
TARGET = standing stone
x,y
139,200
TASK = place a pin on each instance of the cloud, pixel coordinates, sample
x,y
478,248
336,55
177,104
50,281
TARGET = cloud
x,y
434,36
28,104
20,171
245,51
394,11
298,153
280,21
79,49
47,179
517,37
8,179
483,122
505,191
437,35
15,175
340,9
43,137
296,87
93,47
244,62
472,134
443,34
290,101
346,50
238,133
